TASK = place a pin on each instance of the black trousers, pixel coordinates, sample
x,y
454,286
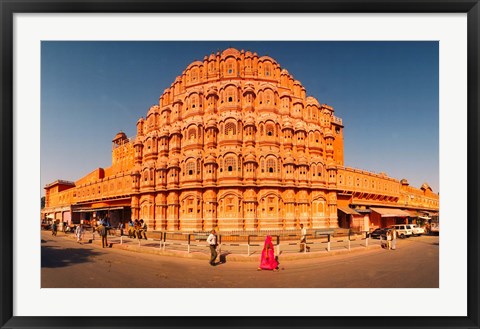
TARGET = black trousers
x,y
303,244
213,252
104,241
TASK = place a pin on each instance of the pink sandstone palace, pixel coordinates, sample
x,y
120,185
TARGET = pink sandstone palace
x,y
235,143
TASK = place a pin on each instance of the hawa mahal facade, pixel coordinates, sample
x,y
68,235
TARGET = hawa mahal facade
x,y
235,143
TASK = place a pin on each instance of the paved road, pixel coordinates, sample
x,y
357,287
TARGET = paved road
x,y
67,264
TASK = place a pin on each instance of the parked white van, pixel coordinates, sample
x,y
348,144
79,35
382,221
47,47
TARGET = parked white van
x,y
416,230
403,230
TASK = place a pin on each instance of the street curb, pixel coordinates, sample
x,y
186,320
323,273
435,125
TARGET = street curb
x,y
227,256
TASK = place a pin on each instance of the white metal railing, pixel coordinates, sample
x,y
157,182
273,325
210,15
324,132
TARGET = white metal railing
x,y
249,240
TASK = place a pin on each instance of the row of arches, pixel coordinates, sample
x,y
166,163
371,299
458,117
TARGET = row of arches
x,y
230,66
231,128
237,209
231,166
232,97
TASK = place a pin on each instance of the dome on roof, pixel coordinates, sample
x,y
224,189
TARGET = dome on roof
x,y
249,121
289,160
300,125
302,160
211,158
287,124
119,137
230,51
212,122
250,157
328,133
173,162
212,90
175,129
312,101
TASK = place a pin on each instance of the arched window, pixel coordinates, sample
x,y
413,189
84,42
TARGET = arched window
x,y
268,97
230,68
267,70
270,130
192,134
271,165
194,101
190,168
230,128
194,75
230,163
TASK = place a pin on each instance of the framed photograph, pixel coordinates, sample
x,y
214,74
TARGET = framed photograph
x,y
78,83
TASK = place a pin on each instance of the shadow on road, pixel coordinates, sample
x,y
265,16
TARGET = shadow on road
x,y
223,257
53,257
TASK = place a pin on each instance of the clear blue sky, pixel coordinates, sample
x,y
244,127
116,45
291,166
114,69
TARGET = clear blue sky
x,y
385,92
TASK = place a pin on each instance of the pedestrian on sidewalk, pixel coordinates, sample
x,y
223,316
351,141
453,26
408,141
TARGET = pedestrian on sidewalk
x,y
120,228
267,260
102,230
212,242
136,227
143,229
394,239
79,232
131,229
389,239
303,239
54,228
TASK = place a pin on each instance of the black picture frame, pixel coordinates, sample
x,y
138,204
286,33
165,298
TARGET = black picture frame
x,y
10,7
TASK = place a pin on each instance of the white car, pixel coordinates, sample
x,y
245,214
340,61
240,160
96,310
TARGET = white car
x,y
416,230
403,230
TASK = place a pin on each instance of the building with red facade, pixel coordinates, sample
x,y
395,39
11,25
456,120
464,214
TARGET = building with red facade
x,y
235,143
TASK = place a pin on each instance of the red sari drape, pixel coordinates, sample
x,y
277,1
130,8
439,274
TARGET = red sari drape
x,y
268,261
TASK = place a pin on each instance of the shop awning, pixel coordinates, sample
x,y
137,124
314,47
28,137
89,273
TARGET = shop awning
x,y
348,211
412,213
424,217
96,209
391,212
363,211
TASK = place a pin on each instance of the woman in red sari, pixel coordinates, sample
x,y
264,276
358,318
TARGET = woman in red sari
x,y
268,261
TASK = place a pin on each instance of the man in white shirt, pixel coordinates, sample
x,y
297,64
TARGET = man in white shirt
x,y
303,239
212,242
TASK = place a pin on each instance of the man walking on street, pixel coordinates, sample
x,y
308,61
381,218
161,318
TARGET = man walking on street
x,y
102,230
212,242
303,239
54,228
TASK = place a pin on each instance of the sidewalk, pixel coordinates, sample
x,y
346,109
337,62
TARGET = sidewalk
x,y
287,250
